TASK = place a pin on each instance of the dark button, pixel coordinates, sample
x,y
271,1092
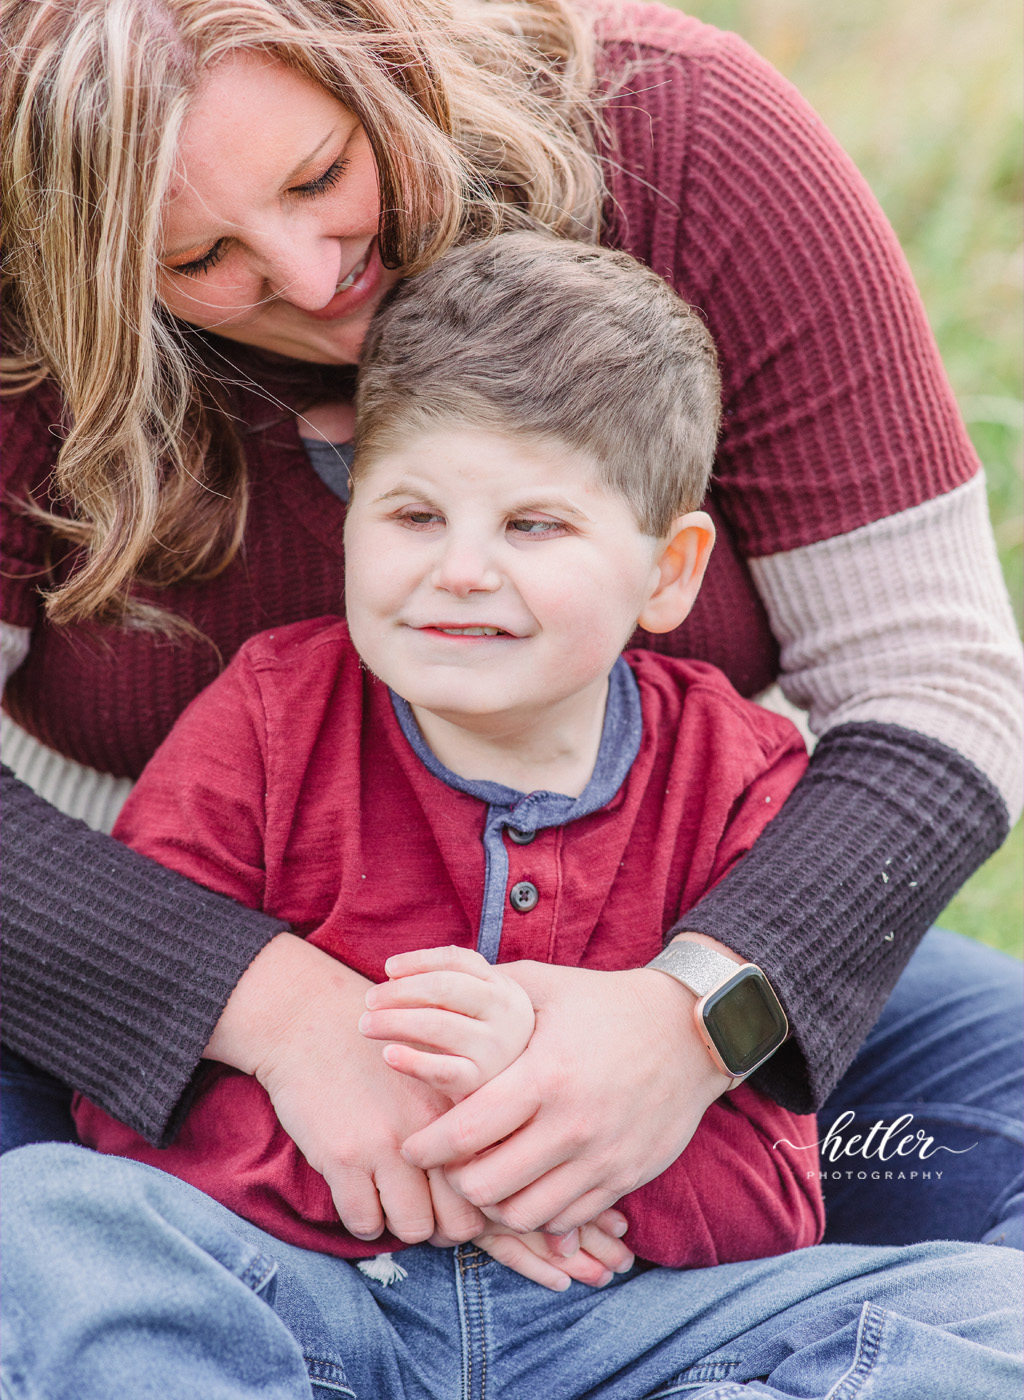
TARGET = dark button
x,y
523,896
521,838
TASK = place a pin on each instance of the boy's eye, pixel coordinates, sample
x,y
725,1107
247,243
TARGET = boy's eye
x,y
537,527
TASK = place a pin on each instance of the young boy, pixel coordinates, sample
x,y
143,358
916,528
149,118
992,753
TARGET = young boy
x,y
470,761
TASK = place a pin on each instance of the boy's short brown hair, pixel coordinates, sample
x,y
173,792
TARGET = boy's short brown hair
x,y
532,335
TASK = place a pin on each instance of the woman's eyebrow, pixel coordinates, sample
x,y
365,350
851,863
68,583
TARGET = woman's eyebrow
x,y
303,164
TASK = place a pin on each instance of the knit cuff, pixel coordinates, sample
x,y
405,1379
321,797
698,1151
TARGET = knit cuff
x,y
832,899
115,970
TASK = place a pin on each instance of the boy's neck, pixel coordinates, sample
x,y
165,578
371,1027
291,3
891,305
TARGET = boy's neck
x,y
554,750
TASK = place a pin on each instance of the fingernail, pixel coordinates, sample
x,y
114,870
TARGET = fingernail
x,y
605,1278
363,1022
620,1229
625,1268
568,1244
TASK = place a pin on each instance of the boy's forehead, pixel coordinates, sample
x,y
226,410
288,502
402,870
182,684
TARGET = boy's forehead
x,y
466,457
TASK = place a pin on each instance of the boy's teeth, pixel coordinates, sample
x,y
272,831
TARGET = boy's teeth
x,y
356,272
472,631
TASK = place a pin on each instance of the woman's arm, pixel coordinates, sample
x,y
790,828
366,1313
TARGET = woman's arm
x,y
847,482
116,970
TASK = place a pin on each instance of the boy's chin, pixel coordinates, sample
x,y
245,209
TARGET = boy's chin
x,y
477,714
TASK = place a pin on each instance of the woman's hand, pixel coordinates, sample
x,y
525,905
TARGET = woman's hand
x,y
599,1252
607,1094
292,1021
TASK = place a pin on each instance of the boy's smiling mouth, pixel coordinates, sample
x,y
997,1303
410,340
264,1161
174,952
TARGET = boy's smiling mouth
x,y
467,630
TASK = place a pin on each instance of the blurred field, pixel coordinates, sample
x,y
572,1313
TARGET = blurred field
x,y
926,96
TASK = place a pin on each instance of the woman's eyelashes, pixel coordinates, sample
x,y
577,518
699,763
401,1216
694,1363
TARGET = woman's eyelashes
x,y
195,267
198,266
323,182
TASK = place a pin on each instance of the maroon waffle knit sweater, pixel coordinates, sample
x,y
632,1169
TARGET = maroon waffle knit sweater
x,y
836,416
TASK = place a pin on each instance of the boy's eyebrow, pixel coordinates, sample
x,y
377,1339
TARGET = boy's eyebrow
x,y
544,503
562,504
404,488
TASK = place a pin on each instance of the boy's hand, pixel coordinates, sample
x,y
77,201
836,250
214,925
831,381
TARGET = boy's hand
x,y
540,1257
453,1020
608,1093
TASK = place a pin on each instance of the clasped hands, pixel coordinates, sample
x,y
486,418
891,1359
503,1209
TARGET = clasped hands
x,y
512,1106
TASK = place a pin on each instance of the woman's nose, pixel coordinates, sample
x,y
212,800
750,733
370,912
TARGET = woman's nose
x,y
303,269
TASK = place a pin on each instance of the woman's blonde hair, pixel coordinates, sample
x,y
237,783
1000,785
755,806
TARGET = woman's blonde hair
x,y
481,117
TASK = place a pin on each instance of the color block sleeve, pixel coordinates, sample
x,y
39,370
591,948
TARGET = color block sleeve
x,y
906,621
847,479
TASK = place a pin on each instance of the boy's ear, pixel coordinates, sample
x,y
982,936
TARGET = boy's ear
x,y
681,566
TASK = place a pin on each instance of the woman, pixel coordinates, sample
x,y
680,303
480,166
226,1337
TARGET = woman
x,y
194,256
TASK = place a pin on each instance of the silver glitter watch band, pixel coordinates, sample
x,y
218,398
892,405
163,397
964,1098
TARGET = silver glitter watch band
x,y
699,968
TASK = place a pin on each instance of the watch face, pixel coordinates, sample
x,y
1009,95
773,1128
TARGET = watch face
x,y
745,1020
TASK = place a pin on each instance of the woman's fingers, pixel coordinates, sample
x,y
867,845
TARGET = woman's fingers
x,y
356,1200
456,1220
399,1200
534,1206
406,1201
601,1242
516,1254
491,1114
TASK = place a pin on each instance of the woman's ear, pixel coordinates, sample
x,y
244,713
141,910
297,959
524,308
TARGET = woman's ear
x,y
680,567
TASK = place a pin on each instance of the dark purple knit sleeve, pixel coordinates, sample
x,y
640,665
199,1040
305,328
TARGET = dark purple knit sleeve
x,y
833,897
115,970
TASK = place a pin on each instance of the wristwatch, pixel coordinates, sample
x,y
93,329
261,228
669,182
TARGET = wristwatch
x,y
738,1014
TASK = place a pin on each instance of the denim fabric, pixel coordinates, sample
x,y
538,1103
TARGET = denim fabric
x,y
947,1049
34,1107
122,1281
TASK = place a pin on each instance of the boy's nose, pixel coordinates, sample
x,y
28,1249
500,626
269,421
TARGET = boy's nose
x,y
465,568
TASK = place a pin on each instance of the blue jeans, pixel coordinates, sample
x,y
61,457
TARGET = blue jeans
x,y
947,1050
122,1281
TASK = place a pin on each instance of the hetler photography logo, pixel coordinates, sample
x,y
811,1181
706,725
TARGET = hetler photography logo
x,y
883,1143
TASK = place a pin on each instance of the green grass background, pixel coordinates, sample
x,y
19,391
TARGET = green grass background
x,y
926,96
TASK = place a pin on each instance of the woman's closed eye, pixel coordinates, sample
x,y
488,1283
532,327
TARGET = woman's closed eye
x,y
196,267
323,182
